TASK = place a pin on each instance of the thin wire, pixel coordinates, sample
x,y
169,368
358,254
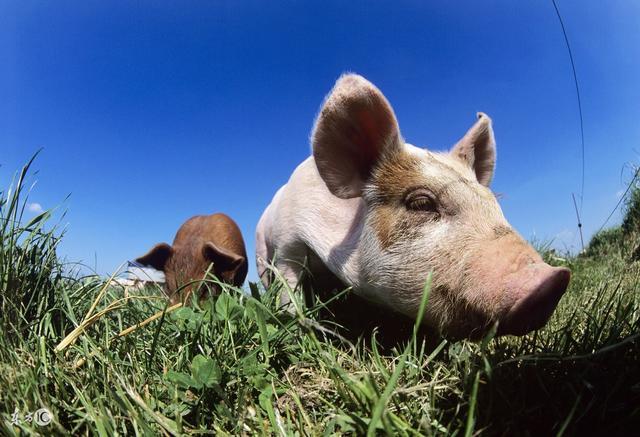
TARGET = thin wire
x,y
575,80
579,222
633,179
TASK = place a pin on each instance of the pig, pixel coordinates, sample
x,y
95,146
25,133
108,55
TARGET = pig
x,y
200,241
368,211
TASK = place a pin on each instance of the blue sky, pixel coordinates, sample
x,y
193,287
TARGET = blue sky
x,y
151,112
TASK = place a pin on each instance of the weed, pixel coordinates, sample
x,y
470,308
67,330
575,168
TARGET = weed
x,y
240,365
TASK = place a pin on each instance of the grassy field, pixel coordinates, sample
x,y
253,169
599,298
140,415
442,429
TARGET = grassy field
x,y
240,366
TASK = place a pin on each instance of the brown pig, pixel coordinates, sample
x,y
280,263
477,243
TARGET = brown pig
x,y
378,215
200,241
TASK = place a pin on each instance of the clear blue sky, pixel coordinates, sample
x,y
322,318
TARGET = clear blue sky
x,y
151,112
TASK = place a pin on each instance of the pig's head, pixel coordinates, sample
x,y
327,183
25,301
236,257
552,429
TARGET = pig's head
x,y
431,212
189,261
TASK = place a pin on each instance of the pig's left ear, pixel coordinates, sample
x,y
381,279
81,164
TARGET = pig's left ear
x,y
478,149
223,260
355,129
157,257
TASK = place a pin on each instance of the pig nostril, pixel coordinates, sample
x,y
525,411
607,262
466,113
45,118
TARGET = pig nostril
x,y
549,292
561,279
533,310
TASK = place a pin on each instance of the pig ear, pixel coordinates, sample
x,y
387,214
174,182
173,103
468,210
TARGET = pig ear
x,y
222,259
478,149
356,127
157,257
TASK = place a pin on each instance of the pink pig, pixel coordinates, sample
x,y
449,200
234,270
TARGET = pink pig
x,y
371,212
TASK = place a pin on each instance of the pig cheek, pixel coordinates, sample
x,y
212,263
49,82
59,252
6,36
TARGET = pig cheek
x,y
404,268
462,296
401,272
170,284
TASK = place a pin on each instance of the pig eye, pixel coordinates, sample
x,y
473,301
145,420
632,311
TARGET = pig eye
x,y
421,200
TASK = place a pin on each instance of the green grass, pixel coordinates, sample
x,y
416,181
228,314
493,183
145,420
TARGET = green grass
x,y
239,365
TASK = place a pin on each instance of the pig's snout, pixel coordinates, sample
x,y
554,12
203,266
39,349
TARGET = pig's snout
x,y
539,289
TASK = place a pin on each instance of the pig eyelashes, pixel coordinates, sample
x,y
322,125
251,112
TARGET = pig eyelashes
x,y
421,200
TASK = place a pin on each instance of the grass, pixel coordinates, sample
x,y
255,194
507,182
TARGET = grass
x,y
238,365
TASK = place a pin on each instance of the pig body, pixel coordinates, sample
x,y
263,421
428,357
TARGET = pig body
x,y
201,241
371,212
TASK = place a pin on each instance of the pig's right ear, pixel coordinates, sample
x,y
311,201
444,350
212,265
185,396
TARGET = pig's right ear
x,y
355,129
157,257
223,260
477,149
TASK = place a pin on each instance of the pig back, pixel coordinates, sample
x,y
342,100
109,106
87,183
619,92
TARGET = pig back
x,y
218,228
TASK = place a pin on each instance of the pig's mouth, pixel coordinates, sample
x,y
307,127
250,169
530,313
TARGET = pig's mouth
x,y
471,323
533,310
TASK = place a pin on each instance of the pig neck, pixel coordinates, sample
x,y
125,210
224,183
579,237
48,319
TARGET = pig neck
x,y
334,227
343,256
